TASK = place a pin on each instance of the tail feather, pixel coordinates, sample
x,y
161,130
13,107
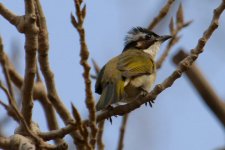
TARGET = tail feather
x,y
112,93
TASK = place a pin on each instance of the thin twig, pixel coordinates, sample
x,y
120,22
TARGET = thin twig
x,y
161,14
38,141
122,132
59,133
100,143
43,50
5,69
27,25
19,115
81,127
180,24
201,84
10,111
84,54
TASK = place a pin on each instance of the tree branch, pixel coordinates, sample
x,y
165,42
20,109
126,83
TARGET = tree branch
x,y
4,143
161,14
122,132
31,45
43,50
180,24
5,69
84,54
100,143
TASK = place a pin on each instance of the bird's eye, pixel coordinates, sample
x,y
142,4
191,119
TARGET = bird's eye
x,y
148,37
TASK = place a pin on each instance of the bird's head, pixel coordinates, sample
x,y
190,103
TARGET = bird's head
x,y
143,39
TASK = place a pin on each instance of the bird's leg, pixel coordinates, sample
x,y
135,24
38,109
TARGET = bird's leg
x,y
145,93
109,108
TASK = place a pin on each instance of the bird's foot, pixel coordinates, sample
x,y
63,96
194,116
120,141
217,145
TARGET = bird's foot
x,y
143,92
109,108
150,103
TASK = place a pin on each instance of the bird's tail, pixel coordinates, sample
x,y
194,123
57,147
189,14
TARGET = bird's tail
x,y
111,94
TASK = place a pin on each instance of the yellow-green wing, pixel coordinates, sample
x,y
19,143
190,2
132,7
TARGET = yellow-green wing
x,y
133,63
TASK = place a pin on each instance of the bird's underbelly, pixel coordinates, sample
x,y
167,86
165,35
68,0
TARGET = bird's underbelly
x,y
144,81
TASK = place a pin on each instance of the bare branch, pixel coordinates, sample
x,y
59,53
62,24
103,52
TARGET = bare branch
x,y
31,45
122,132
161,14
19,115
8,15
201,84
84,54
10,111
59,133
4,143
5,69
43,49
180,16
180,24
100,143
39,93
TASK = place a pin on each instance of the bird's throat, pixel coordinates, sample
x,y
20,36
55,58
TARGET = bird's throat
x,y
153,49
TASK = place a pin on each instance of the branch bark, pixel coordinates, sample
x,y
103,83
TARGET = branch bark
x,y
122,132
161,14
4,143
84,54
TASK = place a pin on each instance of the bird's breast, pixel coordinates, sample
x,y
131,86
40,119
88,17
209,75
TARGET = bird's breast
x,y
144,81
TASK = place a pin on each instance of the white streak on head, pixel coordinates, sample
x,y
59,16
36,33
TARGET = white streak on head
x,y
131,37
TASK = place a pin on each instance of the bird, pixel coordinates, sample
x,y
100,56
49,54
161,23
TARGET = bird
x,y
132,73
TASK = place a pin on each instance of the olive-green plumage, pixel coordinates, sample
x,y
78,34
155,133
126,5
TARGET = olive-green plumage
x,y
131,73
114,82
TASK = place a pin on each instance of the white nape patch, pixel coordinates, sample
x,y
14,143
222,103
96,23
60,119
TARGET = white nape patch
x,y
134,37
153,49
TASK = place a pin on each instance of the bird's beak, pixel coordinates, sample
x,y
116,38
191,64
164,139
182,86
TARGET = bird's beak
x,y
164,38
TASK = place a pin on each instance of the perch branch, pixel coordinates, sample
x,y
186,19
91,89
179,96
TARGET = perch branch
x,y
209,96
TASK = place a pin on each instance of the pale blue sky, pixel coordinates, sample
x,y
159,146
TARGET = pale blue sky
x,y
179,119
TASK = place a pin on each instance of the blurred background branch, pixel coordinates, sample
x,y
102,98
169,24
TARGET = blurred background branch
x,y
201,84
